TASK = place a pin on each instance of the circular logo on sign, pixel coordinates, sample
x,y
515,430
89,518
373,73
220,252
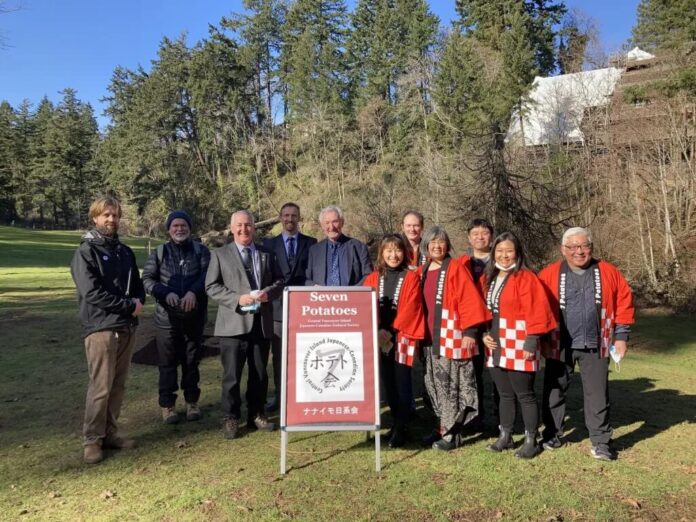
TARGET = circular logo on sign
x,y
330,366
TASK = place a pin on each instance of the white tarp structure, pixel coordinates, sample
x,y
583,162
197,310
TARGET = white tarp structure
x,y
637,54
555,107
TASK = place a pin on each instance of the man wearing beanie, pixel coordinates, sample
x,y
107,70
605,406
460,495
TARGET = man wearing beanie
x,y
174,275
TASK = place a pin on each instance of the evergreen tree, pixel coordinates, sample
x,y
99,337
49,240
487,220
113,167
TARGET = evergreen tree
x,y
313,58
490,20
387,36
260,40
7,195
664,23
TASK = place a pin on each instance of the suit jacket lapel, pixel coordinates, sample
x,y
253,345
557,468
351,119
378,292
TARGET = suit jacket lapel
x,y
281,254
321,269
345,264
236,264
263,262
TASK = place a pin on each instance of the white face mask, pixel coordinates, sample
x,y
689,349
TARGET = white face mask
x,y
503,269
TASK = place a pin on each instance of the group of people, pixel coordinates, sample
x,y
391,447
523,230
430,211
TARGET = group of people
x,y
456,315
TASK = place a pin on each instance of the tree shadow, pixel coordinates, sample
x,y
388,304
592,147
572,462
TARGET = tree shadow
x,y
657,409
633,401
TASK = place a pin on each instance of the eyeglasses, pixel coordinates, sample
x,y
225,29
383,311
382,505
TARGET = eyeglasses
x,y
579,248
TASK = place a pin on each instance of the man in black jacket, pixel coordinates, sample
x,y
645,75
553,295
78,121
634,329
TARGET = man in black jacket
x,y
111,296
174,275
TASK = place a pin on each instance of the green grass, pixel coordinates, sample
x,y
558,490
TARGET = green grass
x,y
189,472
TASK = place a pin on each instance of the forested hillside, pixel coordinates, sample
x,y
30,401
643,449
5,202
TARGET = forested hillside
x,y
376,109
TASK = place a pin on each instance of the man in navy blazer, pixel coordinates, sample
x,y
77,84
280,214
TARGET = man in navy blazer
x,y
338,260
291,249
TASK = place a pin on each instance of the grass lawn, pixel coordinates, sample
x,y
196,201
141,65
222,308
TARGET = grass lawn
x,y
189,472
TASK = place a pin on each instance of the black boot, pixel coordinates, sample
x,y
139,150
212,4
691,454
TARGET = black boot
x,y
504,441
398,437
530,448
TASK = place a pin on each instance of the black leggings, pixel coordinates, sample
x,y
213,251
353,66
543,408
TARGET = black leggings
x,y
512,384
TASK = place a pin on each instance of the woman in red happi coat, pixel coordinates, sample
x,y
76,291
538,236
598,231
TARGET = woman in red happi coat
x,y
401,325
521,314
454,310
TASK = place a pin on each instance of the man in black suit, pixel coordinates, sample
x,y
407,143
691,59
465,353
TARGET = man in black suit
x,y
291,249
338,260
244,278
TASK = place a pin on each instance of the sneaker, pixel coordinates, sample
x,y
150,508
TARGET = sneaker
x,y
552,444
193,412
118,443
230,428
169,415
603,452
262,424
92,454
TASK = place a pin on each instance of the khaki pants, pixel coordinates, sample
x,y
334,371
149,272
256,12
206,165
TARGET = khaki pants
x,y
108,360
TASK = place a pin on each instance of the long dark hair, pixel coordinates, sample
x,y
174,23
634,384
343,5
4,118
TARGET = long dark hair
x,y
491,270
393,240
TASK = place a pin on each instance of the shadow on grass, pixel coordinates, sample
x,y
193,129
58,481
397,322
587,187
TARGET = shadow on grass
x,y
633,401
328,454
657,409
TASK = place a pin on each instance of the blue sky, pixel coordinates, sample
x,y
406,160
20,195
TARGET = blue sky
x,y
51,44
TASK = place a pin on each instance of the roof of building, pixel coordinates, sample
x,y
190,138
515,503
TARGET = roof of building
x,y
637,54
554,109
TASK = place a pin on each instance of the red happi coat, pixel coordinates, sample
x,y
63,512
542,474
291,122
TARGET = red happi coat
x,y
523,309
462,308
409,322
465,261
617,305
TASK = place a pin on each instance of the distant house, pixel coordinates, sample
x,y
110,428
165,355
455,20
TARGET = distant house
x,y
556,107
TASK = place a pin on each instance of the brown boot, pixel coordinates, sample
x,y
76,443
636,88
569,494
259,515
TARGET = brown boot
x,y
116,442
169,415
93,454
193,412
230,428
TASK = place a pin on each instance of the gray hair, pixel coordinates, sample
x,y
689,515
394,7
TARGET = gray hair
x,y
577,231
331,208
435,232
246,212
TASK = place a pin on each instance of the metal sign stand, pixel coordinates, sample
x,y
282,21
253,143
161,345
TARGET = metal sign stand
x,y
284,429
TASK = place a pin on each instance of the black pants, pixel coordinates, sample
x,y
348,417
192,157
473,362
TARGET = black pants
x,y
235,352
176,346
594,373
277,352
479,365
397,384
513,385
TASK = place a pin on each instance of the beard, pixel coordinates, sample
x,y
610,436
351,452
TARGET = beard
x,y
180,238
108,230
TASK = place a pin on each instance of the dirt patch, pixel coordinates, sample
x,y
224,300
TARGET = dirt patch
x,y
146,347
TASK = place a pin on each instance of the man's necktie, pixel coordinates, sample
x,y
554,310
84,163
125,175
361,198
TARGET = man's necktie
x,y
291,252
334,276
249,268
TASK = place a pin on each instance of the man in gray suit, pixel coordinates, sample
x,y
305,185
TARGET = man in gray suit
x,y
243,278
338,260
